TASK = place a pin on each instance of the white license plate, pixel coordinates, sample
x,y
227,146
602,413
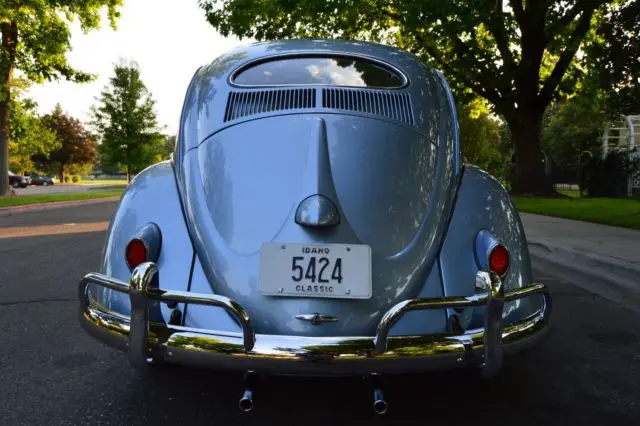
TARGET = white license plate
x,y
315,270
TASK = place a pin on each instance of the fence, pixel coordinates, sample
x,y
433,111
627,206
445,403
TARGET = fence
x,y
566,186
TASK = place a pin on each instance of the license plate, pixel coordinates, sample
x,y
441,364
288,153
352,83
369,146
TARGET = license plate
x,y
315,270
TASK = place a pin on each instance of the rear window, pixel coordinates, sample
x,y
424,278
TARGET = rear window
x,y
332,71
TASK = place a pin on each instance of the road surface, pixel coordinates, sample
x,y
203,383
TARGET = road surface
x,y
64,189
51,372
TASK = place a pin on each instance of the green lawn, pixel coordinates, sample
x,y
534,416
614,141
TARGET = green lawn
x,y
571,192
624,212
107,187
48,198
104,182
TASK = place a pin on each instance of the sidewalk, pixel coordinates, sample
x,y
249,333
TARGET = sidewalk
x,y
10,211
609,253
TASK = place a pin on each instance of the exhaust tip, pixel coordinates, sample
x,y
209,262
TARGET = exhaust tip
x,y
380,406
246,402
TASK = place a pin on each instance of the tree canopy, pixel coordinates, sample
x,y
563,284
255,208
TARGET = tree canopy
x,y
76,145
125,121
517,55
35,39
481,141
28,133
614,57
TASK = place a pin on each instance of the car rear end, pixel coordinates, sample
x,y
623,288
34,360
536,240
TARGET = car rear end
x,y
324,228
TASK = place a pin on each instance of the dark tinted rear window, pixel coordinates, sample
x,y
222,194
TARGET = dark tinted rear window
x,y
331,71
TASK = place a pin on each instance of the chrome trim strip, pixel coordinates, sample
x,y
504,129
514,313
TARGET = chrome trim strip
x,y
483,347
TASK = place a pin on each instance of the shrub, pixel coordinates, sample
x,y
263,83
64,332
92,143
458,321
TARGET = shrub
x,y
76,178
67,179
608,177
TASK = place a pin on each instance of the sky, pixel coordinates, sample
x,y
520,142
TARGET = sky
x,y
169,39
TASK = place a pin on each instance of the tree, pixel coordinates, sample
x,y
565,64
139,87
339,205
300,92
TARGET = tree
x,y
615,55
169,146
518,56
28,135
126,122
573,134
77,146
480,139
35,38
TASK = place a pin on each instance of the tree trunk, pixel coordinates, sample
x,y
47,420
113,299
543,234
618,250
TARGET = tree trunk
x,y
4,148
529,177
8,51
62,173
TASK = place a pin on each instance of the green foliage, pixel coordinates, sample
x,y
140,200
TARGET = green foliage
x,y
479,44
481,141
76,179
44,37
518,55
81,169
126,123
169,146
608,177
28,135
615,58
35,39
573,132
67,179
76,143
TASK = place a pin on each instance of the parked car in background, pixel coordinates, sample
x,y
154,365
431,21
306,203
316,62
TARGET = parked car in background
x,y
317,219
37,179
19,181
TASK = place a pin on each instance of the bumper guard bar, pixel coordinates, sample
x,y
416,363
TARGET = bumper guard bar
x,y
148,341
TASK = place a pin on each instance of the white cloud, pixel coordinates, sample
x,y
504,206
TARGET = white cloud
x,y
169,39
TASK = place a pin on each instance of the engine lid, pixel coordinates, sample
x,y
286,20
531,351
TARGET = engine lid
x,y
371,183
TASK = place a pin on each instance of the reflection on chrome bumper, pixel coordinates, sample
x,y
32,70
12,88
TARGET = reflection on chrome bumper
x,y
148,341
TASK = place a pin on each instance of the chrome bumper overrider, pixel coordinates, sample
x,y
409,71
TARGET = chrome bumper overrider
x,y
153,342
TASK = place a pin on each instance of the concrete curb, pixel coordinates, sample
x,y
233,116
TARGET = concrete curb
x,y
10,211
611,270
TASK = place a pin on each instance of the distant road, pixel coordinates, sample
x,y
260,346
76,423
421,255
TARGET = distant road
x,y
60,189
51,372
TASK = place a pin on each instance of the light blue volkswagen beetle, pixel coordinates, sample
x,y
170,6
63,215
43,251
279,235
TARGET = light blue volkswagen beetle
x,y
316,219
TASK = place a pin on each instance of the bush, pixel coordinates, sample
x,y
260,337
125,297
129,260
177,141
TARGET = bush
x,y
609,177
67,179
76,179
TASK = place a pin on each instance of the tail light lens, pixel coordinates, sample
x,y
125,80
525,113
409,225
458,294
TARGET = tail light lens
x,y
499,260
144,246
135,253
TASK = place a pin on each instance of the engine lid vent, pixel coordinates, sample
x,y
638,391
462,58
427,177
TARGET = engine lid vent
x,y
242,104
396,106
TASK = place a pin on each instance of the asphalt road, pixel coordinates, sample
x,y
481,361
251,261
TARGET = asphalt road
x,y
60,189
586,373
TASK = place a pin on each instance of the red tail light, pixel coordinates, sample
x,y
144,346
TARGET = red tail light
x,y
136,253
499,260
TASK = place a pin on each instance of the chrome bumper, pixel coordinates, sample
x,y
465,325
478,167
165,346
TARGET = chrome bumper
x,y
152,342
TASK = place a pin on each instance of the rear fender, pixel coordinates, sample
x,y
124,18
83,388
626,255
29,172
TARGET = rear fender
x,y
152,196
482,203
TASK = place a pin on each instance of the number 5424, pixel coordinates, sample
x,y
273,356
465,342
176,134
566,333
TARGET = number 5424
x,y
316,270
